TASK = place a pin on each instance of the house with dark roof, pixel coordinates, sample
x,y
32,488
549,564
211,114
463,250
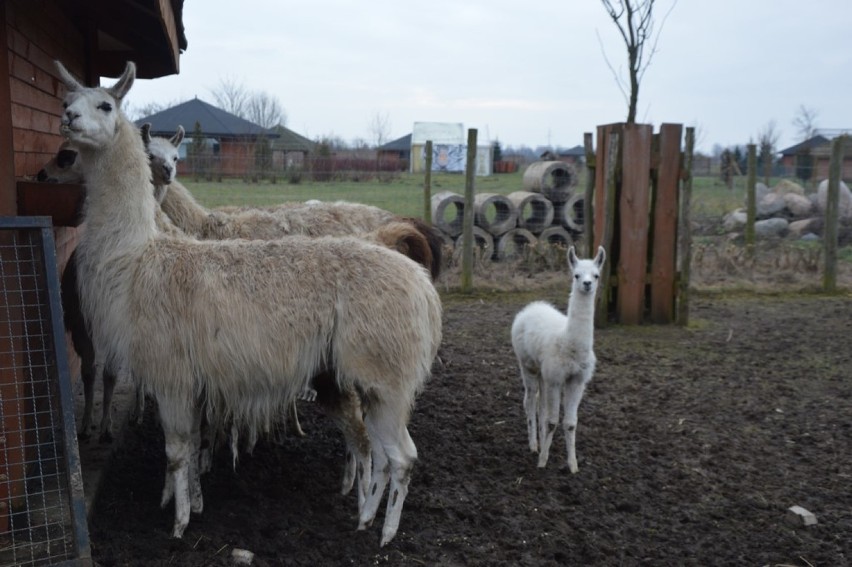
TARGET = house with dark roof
x,y
399,149
229,142
289,148
810,159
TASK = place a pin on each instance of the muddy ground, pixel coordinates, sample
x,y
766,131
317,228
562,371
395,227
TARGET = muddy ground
x,y
692,445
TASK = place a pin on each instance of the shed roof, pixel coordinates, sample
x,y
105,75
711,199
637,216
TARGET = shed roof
x,y
809,144
215,122
289,141
438,132
399,145
147,32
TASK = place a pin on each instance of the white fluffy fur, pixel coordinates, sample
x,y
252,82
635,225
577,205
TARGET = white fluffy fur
x,y
243,326
556,356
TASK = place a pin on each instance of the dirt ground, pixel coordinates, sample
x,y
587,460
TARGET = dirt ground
x,y
692,445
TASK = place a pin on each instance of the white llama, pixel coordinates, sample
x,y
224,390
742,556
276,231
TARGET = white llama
x,y
556,356
241,326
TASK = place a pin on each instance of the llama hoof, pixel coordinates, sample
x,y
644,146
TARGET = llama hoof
x,y
177,532
387,536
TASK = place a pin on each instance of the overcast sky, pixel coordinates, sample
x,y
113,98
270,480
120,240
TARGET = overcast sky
x,y
524,73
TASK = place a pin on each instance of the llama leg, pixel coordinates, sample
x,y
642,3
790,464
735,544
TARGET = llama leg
x,y
109,381
531,402
571,396
88,374
196,500
139,412
378,480
548,419
391,439
177,421
293,416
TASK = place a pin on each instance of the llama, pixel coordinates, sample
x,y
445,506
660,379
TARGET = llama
x,y
240,326
411,237
556,357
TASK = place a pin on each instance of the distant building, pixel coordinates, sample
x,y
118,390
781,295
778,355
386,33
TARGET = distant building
x,y
399,149
230,141
810,159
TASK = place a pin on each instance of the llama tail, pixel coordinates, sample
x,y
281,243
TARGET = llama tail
x,y
409,239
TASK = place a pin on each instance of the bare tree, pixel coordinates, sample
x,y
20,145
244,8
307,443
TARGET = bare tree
x,y
265,110
380,127
635,22
805,122
767,139
231,96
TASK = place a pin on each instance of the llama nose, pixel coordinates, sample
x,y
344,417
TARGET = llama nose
x,y
587,285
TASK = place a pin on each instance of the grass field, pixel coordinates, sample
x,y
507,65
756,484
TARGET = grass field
x,y
404,194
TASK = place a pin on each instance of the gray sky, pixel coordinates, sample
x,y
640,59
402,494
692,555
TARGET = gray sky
x,y
530,73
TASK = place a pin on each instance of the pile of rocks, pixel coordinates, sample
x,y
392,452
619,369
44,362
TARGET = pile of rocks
x,y
787,210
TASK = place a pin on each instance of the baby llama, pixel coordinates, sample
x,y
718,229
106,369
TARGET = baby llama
x,y
239,326
556,356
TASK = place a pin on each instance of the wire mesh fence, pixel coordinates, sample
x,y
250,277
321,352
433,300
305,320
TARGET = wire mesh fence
x,y
42,509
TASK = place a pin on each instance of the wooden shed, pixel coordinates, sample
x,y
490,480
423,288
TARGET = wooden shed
x,y
39,223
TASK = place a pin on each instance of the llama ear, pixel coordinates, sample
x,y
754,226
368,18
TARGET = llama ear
x,y
70,81
125,81
599,259
572,257
146,133
178,137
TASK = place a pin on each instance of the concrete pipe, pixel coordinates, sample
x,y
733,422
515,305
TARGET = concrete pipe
x,y
556,235
448,212
512,244
494,213
484,243
553,179
535,211
571,214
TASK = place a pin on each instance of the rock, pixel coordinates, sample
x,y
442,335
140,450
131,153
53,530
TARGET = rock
x,y
800,517
771,227
810,237
785,186
771,204
801,227
845,200
735,220
242,556
798,205
760,191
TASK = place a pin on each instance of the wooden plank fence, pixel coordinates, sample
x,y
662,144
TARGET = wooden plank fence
x,y
636,216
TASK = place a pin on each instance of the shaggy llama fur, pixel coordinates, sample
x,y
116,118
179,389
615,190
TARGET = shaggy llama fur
x,y
556,357
241,327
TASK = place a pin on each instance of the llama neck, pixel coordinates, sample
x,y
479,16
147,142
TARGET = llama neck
x,y
119,207
184,211
581,320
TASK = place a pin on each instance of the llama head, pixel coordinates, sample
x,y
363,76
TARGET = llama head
x,y
586,273
64,167
91,114
163,153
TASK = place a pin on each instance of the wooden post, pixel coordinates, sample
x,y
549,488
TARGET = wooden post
x,y
832,213
468,240
588,205
633,222
665,212
427,185
605,213
751,208
686,231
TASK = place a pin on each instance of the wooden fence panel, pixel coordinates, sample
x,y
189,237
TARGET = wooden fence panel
x,y
633,220
664,246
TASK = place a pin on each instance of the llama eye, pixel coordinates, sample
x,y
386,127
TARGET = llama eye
x,y
576,276
65,105
597,276
105,106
